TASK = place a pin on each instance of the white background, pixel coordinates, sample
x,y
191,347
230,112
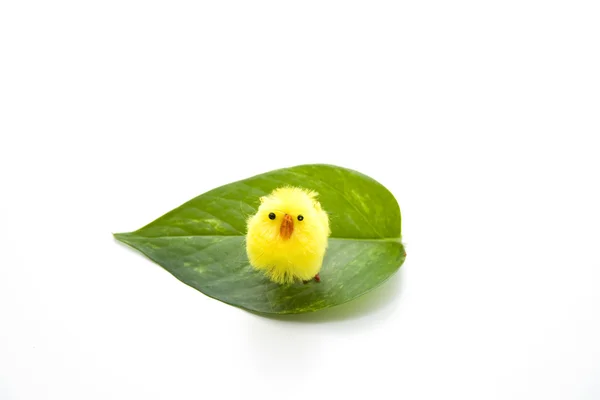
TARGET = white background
x,y
481,117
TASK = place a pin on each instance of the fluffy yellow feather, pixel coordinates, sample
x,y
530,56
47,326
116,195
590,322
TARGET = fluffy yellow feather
x,y
287,237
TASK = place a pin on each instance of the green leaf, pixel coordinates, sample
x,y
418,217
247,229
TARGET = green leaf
x,y
202,242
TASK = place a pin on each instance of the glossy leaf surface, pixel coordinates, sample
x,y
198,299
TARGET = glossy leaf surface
x,y
202,241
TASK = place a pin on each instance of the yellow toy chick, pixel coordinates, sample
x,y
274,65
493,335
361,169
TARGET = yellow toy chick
x,y
287,237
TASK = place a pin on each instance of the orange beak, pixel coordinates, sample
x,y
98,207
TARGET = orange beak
x,y
287,227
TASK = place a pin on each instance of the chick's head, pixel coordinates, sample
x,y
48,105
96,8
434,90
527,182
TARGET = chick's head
x,y
290,215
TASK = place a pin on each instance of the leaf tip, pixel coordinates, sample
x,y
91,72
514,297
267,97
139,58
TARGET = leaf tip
x,y
121,236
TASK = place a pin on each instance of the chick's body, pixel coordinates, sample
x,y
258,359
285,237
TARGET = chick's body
x,y
287,237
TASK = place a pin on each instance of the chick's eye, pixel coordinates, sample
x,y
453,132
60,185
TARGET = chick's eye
x,y
300,217
271,215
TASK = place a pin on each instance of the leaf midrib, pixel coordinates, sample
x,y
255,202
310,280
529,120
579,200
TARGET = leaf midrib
x,y
129,234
